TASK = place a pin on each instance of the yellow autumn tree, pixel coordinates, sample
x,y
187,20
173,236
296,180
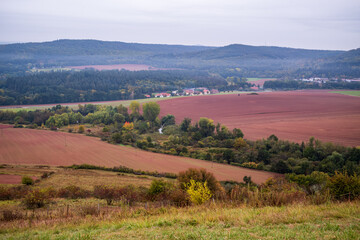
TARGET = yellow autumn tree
x,y
128,126
198,192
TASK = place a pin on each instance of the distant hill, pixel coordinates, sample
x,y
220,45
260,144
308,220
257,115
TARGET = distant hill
x,y
255,61
239,51
93,47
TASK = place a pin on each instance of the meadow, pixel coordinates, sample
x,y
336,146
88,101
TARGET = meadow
x,y
211,221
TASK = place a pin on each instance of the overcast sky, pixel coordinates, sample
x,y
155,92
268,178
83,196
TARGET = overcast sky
x,y
313,24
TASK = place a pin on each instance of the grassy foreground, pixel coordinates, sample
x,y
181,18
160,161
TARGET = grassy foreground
x,y
329,221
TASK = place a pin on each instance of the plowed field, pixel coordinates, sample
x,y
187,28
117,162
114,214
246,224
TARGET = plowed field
x,y
293,115
41,147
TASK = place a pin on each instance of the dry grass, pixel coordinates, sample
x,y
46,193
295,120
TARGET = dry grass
x,y
86,179
211,221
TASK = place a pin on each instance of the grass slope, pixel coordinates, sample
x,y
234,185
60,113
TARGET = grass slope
x,y
331,221
349,93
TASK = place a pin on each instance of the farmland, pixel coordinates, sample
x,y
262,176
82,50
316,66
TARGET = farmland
x,y
294,115
40,147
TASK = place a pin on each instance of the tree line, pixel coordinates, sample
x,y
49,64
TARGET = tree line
x,y
90,85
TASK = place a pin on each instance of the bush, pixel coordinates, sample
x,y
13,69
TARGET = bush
x,y
36,198
27,180
199,175
342,186
108,193
159,189
198,192
81,129
179,197
10,215
73,192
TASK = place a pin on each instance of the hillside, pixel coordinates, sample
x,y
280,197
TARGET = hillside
x,y
261,61
40,147
239,51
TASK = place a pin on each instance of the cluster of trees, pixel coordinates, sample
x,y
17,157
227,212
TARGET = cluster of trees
x,y
293,84
139,126
93,85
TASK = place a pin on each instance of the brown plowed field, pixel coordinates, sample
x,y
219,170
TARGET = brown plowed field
x,y
41,147
293,115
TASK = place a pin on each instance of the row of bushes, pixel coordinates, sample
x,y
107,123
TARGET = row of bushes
x,y
196,186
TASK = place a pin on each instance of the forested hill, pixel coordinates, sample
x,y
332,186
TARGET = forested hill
x,y
254,61
93,47
239,51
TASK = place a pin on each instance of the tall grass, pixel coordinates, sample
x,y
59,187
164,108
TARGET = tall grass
x,y
210,221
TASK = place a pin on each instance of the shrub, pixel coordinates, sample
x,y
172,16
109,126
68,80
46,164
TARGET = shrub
x,y
73,192
198,192
36,198
179,197
27,180
116,137
9,193
10,215
199,175
81,129
108,193
129,194
159,189
343,186
313,183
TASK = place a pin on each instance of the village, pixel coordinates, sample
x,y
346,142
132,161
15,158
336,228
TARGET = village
x,y
185,92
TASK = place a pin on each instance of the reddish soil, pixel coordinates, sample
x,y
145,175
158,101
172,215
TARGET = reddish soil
x,y
41,147
293,115
11,179
130,67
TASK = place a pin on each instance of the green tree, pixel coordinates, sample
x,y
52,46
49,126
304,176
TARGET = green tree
x,y
206,126
135,107
151,111
185,124
168,120
118,117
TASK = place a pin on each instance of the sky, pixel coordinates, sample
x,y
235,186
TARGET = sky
x,y
311,24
